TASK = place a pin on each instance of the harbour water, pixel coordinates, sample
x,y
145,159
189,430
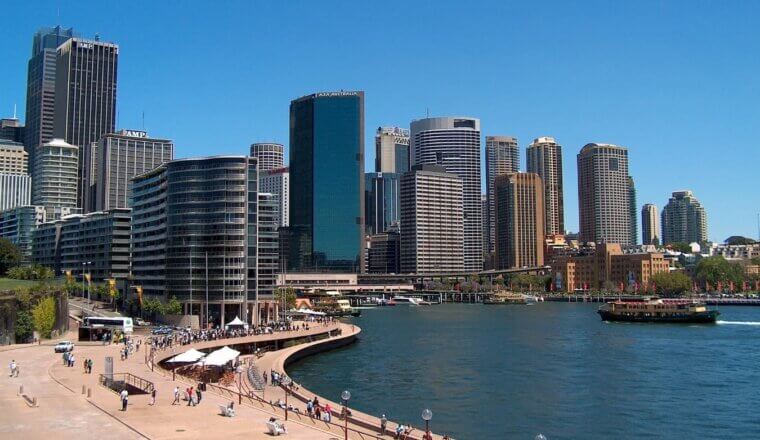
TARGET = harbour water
x,y
511,372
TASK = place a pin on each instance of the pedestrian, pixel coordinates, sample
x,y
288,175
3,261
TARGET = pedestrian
x,y
310,408
65,358
317,411
383,424
328,413
12,367
89,366
190,397
176,395
124,399
71,360
84,365
198,393
264,375
153,396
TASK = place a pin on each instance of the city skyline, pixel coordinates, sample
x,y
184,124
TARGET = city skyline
x,y
670,149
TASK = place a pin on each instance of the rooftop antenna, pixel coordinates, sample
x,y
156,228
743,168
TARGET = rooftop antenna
x,y
427,112
14,111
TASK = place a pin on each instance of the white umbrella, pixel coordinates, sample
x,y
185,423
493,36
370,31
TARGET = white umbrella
x,y
220,357
191,355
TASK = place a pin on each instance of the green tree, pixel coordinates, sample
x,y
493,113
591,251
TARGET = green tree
x,y
755,260
289,294
10,255
671,283
173,307
24,326
738,239
716,270
680,247
34,272
44,316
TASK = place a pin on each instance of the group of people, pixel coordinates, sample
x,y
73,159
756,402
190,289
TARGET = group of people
x,y
193,395
13,366
87,364
130,346
317,411
68,359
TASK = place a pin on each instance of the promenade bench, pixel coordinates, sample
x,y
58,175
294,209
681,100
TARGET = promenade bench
x,y
275,428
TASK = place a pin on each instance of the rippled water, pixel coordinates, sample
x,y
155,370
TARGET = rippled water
x,y
511,372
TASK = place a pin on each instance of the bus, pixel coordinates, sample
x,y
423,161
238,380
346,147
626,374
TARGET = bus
x,y
118,322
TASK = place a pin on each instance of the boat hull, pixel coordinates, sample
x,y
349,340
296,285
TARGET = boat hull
x,y
707,317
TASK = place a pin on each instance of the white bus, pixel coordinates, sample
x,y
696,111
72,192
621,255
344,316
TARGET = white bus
x,y
119,322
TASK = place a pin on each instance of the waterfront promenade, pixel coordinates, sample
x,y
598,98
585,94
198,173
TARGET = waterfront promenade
x,y
65,411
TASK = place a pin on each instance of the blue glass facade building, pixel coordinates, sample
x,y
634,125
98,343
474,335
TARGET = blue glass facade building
x,y
382,202
327,183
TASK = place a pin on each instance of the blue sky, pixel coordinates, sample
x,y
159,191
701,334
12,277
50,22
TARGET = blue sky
x,y
674,81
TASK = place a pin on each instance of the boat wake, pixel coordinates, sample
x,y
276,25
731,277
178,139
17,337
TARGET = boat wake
x,y
739,322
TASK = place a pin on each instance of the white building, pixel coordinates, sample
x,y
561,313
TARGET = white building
x,y
277,183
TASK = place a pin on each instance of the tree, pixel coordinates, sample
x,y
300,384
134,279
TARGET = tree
x,y
671,283
290,297
173,307
44,316
24,326
738,239
716,270
33,272
10,255
681,247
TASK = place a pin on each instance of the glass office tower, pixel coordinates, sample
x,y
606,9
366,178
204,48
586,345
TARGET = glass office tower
x,y
326,182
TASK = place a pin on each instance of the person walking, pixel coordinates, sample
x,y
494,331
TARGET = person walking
x,y
176,395
12,367
124,399
84,365
383,424
89,366
153,396
71,360
198,393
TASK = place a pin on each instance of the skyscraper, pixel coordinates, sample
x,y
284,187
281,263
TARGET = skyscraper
x,y
432,219
381,202
277,183
269,154
604,194
85,99
392,153
40,88
15,182
11,129
327,182
650,225
454,143
55,178
632,211
544,157
520,228
684,219
502,157
122,156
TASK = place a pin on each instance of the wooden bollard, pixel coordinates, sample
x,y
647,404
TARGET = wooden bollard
x,y
89,392
83,388
20,390
34,402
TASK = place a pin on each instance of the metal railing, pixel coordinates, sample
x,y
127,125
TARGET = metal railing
x,y
120,381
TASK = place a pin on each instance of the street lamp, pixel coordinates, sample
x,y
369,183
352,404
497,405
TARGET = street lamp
x,y
345,395
427,415
87,279
286,381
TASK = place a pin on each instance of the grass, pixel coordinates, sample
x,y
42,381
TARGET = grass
x,y
8,284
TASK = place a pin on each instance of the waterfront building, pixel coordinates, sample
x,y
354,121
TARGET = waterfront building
x,y
454,143
18,224
327,182
684,219
632,211
432,221
55,178
193,214
270,155
604,194
381,202
544,157
40,88
733,251
96,243
11,129
120,157
85,100
392,154
13,158
488,260
277,182
15,183
267,260
502,157
384,253
342,283
650,225
607,267
520,228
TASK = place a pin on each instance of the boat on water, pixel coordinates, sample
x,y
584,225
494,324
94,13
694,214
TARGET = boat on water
x,y
408,300
510,298
658,310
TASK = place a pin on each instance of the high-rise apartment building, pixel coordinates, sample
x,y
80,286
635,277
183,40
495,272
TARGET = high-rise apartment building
x,y
650,225
604,194
270,155
18,224
520,228
277,182
40,88
13,158
502,157
11,130
200,226
684,219
392,154
55,178
122,156
85,100
454,143
381,202
632,211
327,183
15,182
544,157
432,221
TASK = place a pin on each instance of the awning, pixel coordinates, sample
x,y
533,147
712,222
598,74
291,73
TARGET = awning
x,y
220,357
237,321
191,355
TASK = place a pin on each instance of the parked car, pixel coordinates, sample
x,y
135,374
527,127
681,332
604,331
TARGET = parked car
x,y
141,323
64,346
162,331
